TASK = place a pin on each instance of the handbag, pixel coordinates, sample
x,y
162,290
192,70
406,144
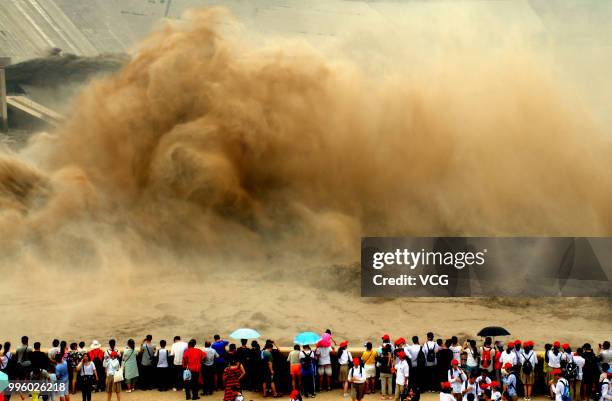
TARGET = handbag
x,y
118,376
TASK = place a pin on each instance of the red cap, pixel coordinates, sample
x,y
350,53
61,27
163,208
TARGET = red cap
x,y
508,365
455,362
565,346
401,354
445,385
294,394
343,344
386,337
556,344
356,361
510,344
400,340
529,343
484,386
494,383
557,372
517,342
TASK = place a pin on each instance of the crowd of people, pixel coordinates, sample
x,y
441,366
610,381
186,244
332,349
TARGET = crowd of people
x,y
399,369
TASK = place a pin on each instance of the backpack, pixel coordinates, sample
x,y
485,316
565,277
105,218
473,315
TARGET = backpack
x,y
306,362
527,366
565,395
431,357
421,358
571,370
596,396
486,358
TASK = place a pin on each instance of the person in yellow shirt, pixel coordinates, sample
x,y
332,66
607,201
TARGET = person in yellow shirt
x,y
369,365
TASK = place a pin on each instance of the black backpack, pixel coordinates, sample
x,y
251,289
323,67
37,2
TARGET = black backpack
x,y
527,366
431,356
597,393
306,361
421,358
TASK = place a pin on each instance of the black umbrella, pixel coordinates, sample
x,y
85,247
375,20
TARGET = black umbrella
x,y
493,331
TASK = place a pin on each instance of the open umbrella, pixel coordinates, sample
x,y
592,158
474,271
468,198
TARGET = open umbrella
x,y
245,333
493,331
307,338
4,381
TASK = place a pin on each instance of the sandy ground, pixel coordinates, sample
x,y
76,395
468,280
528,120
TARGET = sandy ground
x,y
279,308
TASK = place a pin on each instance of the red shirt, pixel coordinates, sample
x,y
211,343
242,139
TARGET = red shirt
x,y
96,353
192,359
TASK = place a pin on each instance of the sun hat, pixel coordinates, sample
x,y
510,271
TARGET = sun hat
x,y
95,344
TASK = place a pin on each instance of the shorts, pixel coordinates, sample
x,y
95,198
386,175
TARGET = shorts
x,y
64,392
343,374
357,391
325,369
295,369
111,386
267,376
369,371
527,378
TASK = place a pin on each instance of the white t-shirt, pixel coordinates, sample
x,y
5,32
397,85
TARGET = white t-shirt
x,y
402,372
471,388
345,358
508,358
413,351
480,380
530,356
323,354
446,397
177,350
554,361
88,370
357,373
471,360
580,361
162,358
606,392
112,365
456,377
558,389
430,346
456,352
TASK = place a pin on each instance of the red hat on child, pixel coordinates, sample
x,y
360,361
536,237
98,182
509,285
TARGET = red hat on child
x,y
455,362
557,372
445,385
386,337
400,340
565,346
343,344
401,354
511,344
517,342
494,383
508,365
556,344
356,361
294,394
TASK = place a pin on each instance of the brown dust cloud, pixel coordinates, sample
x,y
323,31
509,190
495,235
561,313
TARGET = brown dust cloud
x,y
245,176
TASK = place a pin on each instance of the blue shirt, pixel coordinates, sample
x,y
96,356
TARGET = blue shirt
x,y
61,371
510,382
219,346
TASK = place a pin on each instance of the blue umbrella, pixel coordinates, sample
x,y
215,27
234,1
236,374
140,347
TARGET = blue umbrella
x,y
307,338
4,381
246,334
